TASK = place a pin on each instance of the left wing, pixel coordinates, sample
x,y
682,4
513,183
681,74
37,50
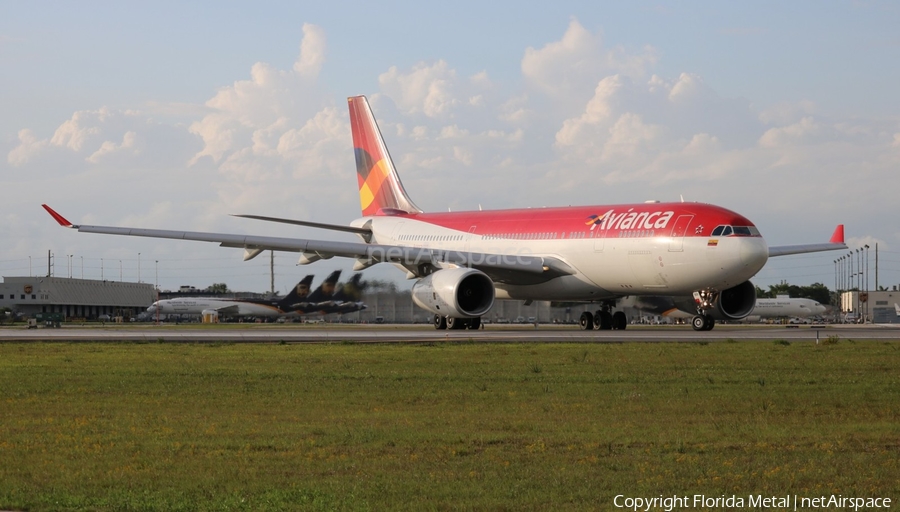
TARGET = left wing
x,y
232,309
836,242
504,268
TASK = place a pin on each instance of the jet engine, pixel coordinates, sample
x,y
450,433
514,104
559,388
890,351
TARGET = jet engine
x,y
455,293
731,304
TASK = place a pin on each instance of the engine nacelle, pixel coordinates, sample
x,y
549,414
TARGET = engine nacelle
x,y
731,304
455,292
735,303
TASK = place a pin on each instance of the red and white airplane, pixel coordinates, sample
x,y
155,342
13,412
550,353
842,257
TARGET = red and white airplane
x,y
463,261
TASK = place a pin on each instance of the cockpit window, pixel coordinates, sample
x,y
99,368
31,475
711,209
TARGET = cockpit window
x,y
735,231
746,231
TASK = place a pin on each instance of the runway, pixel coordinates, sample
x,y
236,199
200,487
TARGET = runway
x,y
337,333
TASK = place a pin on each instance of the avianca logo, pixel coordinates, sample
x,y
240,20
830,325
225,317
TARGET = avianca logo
x,y
630,220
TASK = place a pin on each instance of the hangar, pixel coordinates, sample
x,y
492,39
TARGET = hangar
x,y
880,307
75,298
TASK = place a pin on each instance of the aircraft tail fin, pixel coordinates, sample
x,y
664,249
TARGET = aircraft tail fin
x,y
299,293
380,189
352,289
325,290
897,308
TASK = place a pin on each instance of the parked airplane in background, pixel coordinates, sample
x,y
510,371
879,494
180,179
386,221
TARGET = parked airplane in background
x,y
330,298
780,307
300,301
233,307
463,261
897,308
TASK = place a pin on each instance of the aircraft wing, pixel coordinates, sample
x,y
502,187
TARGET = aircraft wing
x,y
835,243
503,268
233,309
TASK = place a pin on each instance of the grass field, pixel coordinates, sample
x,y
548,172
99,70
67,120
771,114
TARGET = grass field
x,y
122,426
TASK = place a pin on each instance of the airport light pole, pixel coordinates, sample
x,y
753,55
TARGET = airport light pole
x,y
849,270
858,286
836,291
866,275
139,267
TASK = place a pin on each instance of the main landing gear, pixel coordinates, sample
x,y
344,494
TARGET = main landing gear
x,y
703,323
448,322
603,320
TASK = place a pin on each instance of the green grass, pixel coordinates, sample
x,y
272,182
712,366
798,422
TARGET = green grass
x,y
122,426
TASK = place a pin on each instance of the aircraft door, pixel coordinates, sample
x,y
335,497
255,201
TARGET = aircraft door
x,y
599,235
678,231
470,236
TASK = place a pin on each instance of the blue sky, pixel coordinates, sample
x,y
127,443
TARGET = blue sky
x,y
172,116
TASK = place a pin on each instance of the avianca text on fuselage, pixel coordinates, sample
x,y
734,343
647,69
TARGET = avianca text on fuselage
x,y
631,220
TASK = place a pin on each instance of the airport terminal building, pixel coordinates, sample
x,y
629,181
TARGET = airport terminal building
x,y
75,298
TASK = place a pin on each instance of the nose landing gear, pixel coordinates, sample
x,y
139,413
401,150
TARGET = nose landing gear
x,y
703,323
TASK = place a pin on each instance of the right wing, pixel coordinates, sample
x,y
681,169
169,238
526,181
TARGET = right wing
x,y
835,243
419,261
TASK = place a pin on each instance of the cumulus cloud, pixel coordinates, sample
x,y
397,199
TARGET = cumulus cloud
x,y
569,66
802,132
29,147
312,52
426,89
109,147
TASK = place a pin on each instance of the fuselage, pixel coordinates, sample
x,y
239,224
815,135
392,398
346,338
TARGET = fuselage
x,y
782,307
236,307
197,305
634,249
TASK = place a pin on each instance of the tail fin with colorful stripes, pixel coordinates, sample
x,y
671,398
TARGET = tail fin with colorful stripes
x,y
380,189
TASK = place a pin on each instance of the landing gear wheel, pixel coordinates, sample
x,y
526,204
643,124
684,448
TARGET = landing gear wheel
x,y
440,322
619,321
456,323
474,323
703,323
603,320
586,321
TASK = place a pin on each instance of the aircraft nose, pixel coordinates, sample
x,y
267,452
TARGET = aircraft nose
x,y
754,252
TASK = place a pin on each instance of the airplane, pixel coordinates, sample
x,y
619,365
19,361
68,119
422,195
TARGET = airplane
x,y
464,261
897,308
782,306
233,307
328,299
323,300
